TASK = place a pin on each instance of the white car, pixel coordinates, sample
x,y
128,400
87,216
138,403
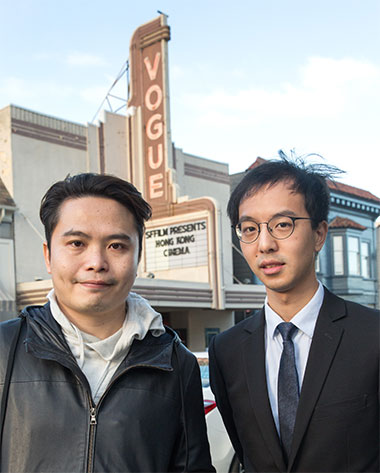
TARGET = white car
x,y
223,455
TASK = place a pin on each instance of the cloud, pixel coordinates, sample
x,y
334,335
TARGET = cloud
x,y
330,108
331,73
85,60
324,89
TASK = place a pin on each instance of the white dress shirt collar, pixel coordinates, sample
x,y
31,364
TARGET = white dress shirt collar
x,y
304,320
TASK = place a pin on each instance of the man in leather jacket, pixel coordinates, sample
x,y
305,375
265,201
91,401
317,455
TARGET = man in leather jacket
x,y
92,381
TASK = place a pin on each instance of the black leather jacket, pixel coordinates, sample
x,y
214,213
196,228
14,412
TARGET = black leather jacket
x,y
150,418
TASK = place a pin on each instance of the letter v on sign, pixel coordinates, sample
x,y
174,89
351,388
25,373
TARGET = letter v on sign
x,y
152,71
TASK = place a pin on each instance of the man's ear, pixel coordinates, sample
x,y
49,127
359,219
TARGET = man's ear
x,y
320,235
47,257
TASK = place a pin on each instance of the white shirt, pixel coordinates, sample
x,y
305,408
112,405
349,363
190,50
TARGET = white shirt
x,y
99,359
305,321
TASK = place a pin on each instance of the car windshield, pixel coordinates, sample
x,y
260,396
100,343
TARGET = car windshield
x,y
205,377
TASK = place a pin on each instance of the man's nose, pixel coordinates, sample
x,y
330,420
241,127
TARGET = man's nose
x,y
266,242
96,259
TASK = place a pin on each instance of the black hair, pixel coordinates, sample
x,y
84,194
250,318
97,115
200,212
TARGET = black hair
x,y
92,184
308,180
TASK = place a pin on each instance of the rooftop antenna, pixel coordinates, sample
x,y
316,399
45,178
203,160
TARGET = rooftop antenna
x,y
115,103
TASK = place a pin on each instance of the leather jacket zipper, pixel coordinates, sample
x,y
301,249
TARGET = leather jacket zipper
x,y
93,423
93,416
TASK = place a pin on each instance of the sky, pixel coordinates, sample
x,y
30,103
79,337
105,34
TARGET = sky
x,y
247,78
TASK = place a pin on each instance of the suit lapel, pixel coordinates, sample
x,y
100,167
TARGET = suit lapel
x,y
254,364
326,339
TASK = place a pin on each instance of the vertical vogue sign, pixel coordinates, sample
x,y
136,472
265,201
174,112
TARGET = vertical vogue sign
x,y
148,61
154,125
182,245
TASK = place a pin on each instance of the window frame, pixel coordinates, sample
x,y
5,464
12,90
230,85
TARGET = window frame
x,y
366,243
338,252
353,256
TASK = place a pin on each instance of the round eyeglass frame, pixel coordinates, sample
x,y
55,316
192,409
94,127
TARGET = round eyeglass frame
x,y
293,219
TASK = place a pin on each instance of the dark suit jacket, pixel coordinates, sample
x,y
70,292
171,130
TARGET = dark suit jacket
x,y
337,425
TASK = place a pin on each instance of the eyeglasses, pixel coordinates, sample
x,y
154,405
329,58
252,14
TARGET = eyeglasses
x,y
280,227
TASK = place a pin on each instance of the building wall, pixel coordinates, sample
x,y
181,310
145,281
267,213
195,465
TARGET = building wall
x,y
202,320
7,273
30,157
6,174
7,262
42,150
115,145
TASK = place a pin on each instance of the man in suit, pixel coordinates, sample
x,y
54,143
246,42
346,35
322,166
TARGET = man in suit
x,y
297,383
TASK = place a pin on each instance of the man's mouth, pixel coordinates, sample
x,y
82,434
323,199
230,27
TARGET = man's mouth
x,y
271,267
95,283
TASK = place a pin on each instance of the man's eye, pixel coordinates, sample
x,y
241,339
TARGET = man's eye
x,y
283,224
248,229
76,243
117,246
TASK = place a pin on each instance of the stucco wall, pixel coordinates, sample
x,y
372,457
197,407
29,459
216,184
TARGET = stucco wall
x,y
5,149
36,165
